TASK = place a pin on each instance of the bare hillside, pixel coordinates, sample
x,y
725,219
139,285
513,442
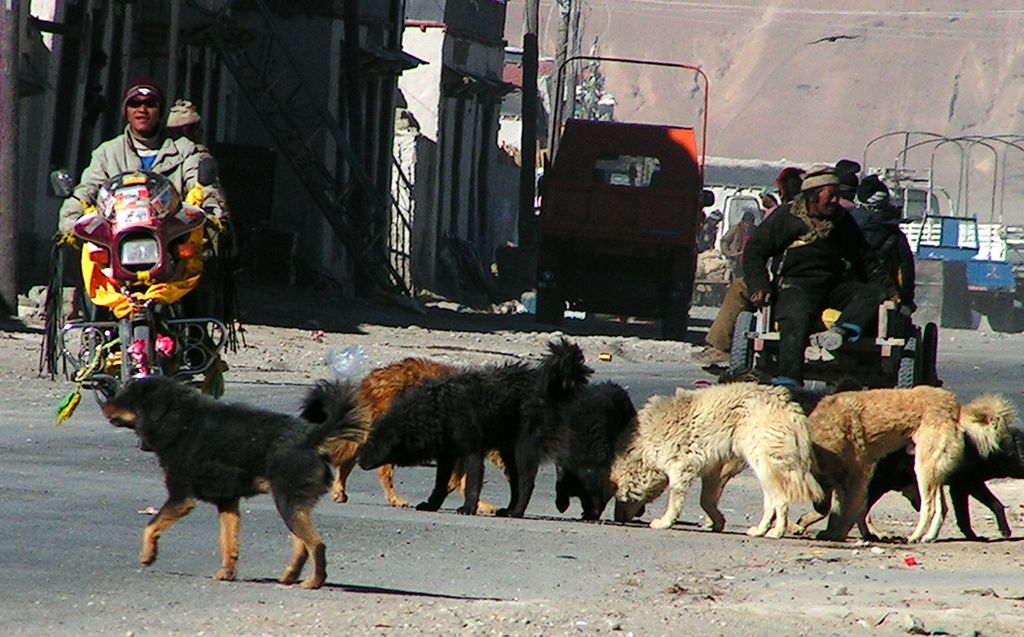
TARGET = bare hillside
x,y
803,81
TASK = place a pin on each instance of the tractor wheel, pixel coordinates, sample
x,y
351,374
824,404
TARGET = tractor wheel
x,y
930,355
908,374
741,354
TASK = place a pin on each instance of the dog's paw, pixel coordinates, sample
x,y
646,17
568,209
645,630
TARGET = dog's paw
x,y
776,533
507,513
486,508
755,532
148,555
339,496
465,510
225,575
313,582
427,506
661,523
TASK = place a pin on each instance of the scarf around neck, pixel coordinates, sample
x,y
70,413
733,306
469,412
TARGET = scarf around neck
x,y
817,227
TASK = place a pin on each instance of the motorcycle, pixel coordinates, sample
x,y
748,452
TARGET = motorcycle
x,y
142,253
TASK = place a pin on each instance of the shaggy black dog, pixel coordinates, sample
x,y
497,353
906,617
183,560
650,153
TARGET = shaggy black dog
x,y
464,416
220,453
895,472
594,420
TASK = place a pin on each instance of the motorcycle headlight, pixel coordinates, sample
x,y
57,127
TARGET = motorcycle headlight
x,y
141,251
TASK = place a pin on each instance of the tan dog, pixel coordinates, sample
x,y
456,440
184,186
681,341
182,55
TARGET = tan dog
x,y
376,392
852,431
713,434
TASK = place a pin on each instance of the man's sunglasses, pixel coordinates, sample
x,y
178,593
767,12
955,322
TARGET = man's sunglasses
x,y
150,102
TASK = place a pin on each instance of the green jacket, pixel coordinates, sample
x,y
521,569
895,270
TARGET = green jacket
x,y
177,159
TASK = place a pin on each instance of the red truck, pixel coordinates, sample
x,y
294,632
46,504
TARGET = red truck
x,y
621,209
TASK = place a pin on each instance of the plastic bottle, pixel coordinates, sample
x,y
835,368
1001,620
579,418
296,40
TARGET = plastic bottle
x,y
347,364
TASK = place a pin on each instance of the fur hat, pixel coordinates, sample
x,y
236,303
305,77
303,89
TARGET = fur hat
x,y
872,192
819,176
142,89
182,113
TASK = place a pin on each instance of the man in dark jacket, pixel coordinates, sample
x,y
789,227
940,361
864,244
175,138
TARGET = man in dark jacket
x,y
812,242
879,220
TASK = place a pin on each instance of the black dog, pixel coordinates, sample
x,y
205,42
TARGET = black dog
x,y
220,453
895,472
472,412
594,419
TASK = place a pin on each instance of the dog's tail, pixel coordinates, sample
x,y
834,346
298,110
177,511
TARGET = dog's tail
x,y
563,372
776,443
986,421
336,413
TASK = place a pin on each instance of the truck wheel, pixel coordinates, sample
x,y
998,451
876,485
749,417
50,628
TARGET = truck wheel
x,y
907,375
675,319
740,354
550,307
1007,319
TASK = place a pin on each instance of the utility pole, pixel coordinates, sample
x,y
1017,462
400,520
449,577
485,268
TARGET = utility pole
x,y
561,54
10,22
528,142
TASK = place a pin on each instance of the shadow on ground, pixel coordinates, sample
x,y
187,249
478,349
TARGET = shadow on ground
x,y
310,308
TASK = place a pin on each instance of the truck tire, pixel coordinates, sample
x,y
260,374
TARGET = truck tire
x,y
1006,319
675,320
740,354
550,306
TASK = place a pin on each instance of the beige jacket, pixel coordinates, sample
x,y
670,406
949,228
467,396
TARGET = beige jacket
x,y
177,159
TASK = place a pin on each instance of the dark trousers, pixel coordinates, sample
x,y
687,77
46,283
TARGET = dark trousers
x,y
798,308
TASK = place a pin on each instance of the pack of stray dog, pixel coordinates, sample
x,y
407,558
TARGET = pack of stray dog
x,y
838,451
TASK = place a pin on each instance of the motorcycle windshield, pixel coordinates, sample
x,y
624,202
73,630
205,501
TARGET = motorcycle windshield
x,y
134,198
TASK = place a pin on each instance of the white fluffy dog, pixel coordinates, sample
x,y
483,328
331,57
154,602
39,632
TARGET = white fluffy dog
x,y
714,433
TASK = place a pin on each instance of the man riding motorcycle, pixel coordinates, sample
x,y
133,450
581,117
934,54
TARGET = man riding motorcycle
x,y
143,145
144,178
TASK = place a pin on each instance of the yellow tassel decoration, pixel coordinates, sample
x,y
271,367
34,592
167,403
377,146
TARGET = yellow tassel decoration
x,y
68,405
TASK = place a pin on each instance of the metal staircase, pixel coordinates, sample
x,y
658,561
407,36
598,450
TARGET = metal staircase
x,y
272,81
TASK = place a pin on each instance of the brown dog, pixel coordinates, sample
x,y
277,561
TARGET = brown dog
x,y
852,431
375,394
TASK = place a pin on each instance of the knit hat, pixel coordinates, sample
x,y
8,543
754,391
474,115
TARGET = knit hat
x,y
846,170
182,113
819,176
872,192
715,215
142,89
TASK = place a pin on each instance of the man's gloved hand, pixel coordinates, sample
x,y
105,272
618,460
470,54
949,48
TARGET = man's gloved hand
x,y
65,238
760,298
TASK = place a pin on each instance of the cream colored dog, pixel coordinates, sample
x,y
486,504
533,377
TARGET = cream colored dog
x,y
852,431
713,434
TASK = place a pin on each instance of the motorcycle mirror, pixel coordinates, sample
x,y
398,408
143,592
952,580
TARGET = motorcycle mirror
x,y
208,171
707,198
61,182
